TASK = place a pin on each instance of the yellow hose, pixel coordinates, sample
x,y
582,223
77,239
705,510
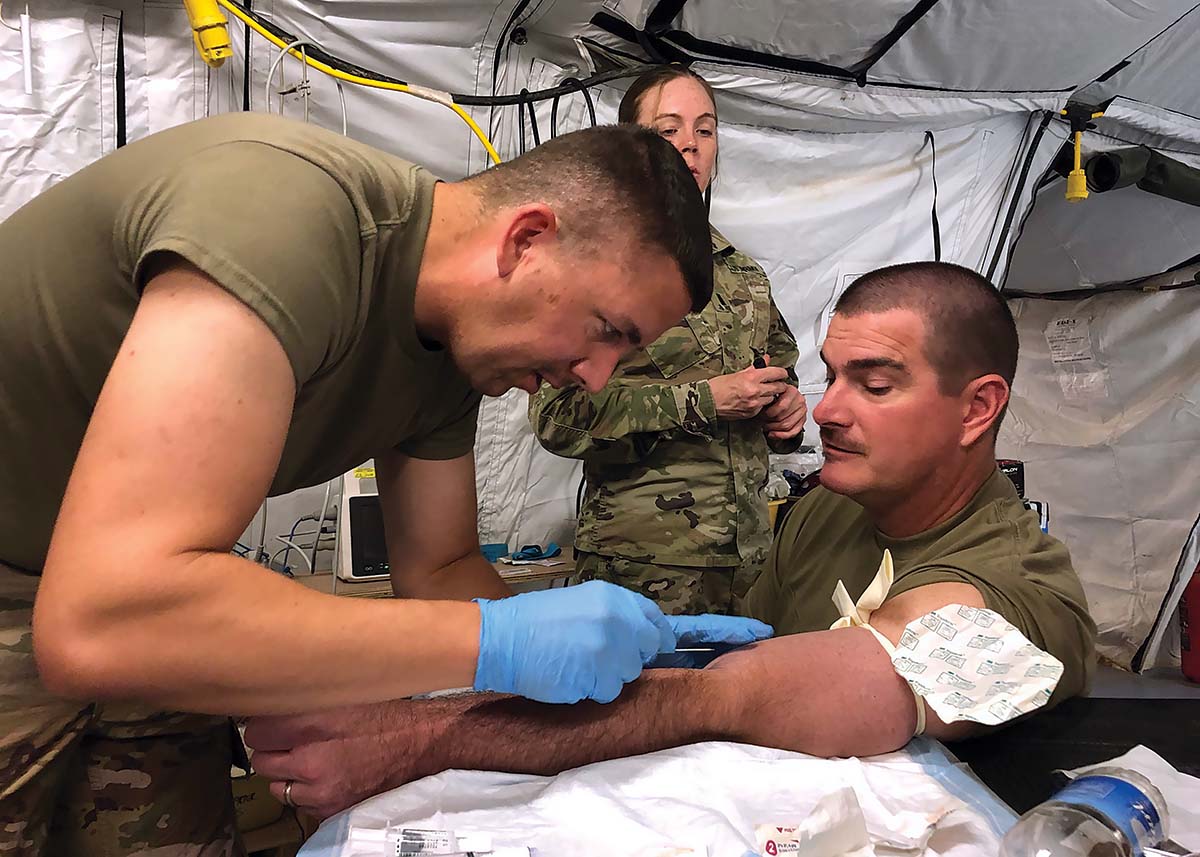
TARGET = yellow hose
x,y
442,98
210,31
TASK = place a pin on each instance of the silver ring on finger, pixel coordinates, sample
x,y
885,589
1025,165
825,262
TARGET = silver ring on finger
x,y
287,794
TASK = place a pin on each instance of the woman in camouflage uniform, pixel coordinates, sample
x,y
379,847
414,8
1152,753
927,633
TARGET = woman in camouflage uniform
x,y
675,448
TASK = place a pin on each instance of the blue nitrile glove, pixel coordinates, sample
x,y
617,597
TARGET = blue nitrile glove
x,y
711,628
564,645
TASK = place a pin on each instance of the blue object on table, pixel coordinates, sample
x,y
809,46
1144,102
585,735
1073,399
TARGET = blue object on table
x,y
536,552
494,551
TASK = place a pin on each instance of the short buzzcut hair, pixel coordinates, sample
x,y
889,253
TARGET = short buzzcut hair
x,y
614,184
969,329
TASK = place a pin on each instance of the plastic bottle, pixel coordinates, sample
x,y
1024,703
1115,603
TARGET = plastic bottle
x,y
1107,812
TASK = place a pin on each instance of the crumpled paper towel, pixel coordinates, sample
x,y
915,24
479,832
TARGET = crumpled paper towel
x,y
835,828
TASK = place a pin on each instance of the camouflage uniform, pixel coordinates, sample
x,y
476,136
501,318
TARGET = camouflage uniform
x,y
102,779
675,505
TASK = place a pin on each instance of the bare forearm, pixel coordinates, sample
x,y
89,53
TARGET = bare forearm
x,y
470,577
830,693
214,633
825,693
665,708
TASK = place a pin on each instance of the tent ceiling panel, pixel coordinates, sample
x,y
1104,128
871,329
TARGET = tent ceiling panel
x,y
783,101
1007,45
836,32
1165,72
972,45
1127,123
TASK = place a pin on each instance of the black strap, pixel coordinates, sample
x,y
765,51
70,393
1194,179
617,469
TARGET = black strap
x,y
577,84
554,117
246,60
937,230
533,126
122,133
664,12
521,122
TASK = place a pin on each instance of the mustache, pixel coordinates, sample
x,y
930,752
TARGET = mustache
x,y
828,438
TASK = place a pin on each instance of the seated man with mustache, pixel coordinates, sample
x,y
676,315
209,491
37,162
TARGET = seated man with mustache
x,y
920,359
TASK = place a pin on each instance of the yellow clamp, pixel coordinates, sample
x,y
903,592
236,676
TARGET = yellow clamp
x,y
1077,178
210,31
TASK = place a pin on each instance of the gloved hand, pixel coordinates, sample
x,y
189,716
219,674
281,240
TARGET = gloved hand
x,y
711,628
564,645
586,641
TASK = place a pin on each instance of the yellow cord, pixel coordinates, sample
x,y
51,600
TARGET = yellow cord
x,y
442,98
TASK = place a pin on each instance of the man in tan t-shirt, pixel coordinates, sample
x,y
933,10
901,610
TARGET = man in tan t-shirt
x,y
243,306
920,359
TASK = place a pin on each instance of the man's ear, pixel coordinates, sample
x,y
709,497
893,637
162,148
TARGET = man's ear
x,y
983,400
525,228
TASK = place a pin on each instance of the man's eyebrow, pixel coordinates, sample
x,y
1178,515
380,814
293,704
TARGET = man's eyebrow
x,y
628,328
863,364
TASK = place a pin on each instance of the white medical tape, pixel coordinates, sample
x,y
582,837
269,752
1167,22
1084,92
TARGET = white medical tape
x,y
858,615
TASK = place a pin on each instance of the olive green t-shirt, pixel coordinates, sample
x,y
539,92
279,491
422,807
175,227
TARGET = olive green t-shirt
x,y
994,544
319,235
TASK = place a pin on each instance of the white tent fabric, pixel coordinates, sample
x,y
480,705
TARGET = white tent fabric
x,y
44,139
821,178
1107,430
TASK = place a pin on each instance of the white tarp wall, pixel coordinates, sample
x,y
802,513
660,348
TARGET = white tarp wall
x,y
1109,426
820,180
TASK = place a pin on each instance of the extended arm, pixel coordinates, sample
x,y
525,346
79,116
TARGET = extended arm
x,y
827,693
